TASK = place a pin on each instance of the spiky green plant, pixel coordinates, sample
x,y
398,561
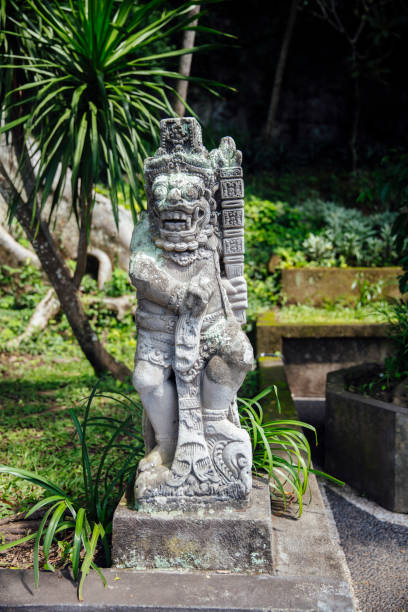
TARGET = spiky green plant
x,y
280,450
88,520
94,88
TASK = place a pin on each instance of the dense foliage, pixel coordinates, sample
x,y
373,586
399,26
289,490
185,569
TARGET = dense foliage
x,y
311,232
93,83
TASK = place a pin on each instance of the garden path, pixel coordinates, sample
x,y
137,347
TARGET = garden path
x,y
375,544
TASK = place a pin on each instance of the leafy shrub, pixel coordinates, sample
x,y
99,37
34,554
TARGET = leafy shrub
x,y
119,284
319,249
269,225
344,236
261,295
21,287
396,313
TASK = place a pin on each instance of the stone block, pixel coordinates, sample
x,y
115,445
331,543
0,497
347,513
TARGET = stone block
x,y
161,591
208,538
366,442
309,574
317,285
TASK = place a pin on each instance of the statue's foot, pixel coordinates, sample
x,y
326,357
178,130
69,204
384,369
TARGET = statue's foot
x,y
227,430
162,454
150,480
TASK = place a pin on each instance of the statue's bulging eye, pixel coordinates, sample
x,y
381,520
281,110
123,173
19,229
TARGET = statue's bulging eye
x,y
159,192
190,192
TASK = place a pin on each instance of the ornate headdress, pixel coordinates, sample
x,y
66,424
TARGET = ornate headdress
x,y
181,150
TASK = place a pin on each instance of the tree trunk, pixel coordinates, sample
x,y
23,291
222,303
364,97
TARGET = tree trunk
x,y
53,264
185,65
60,278
354,129
280,69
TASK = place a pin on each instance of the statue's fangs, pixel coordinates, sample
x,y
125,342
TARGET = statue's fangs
x,y
192,355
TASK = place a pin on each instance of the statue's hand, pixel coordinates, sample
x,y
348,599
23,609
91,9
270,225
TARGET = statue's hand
x,y
198,294
236,289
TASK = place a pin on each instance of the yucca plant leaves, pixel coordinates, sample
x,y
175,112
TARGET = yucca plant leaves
x,y
77,542
33,478
44,502
100,86
104,484
37,544
50,532
26,538
90,546
280,449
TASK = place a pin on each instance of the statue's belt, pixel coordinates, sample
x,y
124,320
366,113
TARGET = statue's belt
x,y
167,323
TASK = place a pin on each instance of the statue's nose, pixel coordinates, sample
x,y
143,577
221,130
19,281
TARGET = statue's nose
x,y
174,195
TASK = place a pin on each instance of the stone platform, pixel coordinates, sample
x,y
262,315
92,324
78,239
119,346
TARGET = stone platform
x,y
309,574
214,537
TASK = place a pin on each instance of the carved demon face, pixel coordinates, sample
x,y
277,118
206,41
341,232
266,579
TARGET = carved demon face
x,y
181,206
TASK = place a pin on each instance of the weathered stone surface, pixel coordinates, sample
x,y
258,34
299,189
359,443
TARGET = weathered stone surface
x,y
187,258
367,441
311,351
209,538
132,591
317,285
270,332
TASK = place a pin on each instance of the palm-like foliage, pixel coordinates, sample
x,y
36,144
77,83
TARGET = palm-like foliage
x,y
280,449
95,90
83,84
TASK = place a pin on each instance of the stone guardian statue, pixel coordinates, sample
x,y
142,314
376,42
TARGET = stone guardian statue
x,y
192,355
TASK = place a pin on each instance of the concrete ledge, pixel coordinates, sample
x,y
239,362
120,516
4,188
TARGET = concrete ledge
x,y
132,591
311,351
366,441
271,332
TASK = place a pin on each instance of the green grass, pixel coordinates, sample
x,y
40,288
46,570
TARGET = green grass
x,y
40,381
332,313
36,431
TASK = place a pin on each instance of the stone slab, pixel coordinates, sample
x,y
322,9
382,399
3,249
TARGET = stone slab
x,y
317,285
208,538
310,351
308,546
133,591
366,442
271,332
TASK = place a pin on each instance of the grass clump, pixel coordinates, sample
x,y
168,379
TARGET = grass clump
x,y
330,313
110,447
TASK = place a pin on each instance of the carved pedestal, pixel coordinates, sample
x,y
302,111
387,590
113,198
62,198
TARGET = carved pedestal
x,y
211,537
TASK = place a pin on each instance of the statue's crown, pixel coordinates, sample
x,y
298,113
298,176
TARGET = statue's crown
x,y
181,150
